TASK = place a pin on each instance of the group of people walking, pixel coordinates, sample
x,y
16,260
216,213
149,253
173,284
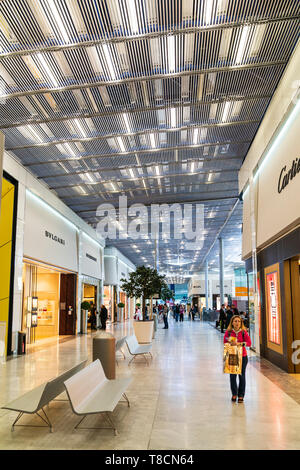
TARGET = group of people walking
x,y
103,317
227,313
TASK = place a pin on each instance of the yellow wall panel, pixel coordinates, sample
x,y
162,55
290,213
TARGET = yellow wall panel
x,y
6,186
5,257
6,218
4,304
6,233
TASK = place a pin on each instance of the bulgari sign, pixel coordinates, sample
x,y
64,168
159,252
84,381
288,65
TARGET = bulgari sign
x,y
55,238
287,175
48,236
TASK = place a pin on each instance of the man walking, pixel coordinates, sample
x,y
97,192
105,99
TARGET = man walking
x,y
222,318
103,317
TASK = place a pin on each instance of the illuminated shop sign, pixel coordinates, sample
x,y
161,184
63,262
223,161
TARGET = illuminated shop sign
x,y
54,237
91,257
273,308
287,175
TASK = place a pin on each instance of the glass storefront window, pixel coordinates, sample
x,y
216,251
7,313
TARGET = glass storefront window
x,y
251,308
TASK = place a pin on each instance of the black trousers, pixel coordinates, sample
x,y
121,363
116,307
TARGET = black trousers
x,y
181,317
166,321
103,324
240,392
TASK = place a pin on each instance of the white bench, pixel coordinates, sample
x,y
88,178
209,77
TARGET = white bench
x,y
119,344
90,392
136,349
35,400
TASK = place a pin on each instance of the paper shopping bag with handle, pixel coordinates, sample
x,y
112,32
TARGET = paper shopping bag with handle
x,y
233,357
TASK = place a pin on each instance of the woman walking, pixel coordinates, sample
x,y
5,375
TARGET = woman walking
x,y
181,313
237,335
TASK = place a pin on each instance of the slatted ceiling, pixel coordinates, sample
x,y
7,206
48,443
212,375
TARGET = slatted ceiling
x,y
237,84
34,76
116,58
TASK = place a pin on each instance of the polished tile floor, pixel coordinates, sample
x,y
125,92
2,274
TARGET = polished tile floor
x,y
180,401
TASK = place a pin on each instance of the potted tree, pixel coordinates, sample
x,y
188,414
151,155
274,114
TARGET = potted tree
x,y
121,306
85,307
143,283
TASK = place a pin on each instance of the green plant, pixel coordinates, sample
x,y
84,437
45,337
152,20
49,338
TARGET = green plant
x,y
138,305
167,294
85,305
143,282
121,305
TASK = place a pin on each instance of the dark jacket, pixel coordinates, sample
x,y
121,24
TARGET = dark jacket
x,y
103,313
222,316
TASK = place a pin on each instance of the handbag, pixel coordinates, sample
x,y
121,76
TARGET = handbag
x,y
232,359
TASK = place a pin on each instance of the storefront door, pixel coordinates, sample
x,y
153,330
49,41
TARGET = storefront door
x,y
67,311
292,303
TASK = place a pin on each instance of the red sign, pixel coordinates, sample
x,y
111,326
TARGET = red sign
x,y
273,308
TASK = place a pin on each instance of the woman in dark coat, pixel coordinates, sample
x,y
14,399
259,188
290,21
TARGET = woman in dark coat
x,y
103,317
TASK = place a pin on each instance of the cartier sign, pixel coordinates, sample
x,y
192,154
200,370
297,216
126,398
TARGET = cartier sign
x,y
287,175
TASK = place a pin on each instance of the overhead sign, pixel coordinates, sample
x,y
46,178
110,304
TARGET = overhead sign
x,y
287,175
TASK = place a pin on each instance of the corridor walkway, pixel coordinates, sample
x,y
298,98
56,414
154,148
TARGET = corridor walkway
x,y
180,401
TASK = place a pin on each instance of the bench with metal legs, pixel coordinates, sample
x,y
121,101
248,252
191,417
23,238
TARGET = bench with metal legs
x,y
90,392
119,344
136,349
47,421
35,400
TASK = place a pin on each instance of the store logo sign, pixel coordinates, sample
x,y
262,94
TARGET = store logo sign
x,y
91,257
286,176
54,237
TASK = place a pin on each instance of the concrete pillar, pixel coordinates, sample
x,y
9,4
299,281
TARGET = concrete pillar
x,y
206,284
221,270
156,255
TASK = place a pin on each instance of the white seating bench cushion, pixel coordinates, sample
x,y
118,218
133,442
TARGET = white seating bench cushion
x,y
28,403
105,397
91,392
136,348
143,349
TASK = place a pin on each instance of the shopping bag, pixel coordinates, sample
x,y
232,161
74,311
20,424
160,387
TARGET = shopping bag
x,y
232,359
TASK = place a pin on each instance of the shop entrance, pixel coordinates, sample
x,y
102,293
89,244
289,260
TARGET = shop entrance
x,y
292,302
89,294
123,300
67,313
49,302
110,302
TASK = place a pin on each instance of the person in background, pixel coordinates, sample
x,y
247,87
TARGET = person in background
x,y
229,315
138,314
235,311
245,318
165,316
103,317
177,312
181,313
93,317
222,318
193,312
236,334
